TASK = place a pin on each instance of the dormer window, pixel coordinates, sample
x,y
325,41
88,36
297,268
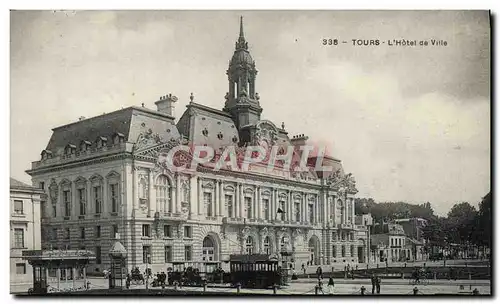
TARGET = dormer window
x,y
85,145
204,132
118,138
101,142
69,149
220,136
235,139
46,154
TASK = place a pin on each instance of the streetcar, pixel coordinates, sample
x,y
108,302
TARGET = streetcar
x,y
254,271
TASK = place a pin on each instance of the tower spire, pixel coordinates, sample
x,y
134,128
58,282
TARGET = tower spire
x,y
241,44
242,36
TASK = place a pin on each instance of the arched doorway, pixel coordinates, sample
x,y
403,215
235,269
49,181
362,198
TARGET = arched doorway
x,y
314,257
210,250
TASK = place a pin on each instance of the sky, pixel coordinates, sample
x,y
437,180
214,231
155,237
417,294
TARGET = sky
x,y
410,123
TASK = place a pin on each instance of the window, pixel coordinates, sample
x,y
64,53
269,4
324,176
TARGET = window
x,y
143,192
229,203
352,251
163,193
146,254
67,233
334,251
267,245
343,251
18,207
207,200
249,245
98,231
248,205
54,234
20,268
54,210
392,242
18,238
67,202
98,199
167,231
297,212
114,231
113,189
98,255
82,233
208,250
41,185
265,208
82,201
168,254
188,253
343,236
283,208
146,231
188,232
311,213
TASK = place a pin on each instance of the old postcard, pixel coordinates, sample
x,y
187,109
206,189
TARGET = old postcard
x,y
311,153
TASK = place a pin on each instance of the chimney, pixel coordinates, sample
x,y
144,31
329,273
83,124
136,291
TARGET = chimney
x,y
166,104
81,118
299,140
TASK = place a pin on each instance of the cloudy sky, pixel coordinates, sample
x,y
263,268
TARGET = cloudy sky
x,y
411,123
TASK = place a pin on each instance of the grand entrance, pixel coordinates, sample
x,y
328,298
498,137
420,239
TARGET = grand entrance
x,y
314,257
210,249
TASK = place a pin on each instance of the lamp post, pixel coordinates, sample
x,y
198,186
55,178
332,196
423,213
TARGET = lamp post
x,y
147,270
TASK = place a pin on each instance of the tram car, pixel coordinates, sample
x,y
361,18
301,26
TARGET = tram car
x,y
193,273
254,271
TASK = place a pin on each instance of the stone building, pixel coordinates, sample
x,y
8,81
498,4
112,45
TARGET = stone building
x,y
24,232
106,179
390,243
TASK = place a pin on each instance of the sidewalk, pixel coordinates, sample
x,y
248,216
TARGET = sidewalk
x,y
400,282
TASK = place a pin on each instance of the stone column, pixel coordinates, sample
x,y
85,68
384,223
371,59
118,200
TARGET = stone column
x,y
258,203
215,199
90,200
237,201
73,275
290,206
242,201
221,198
151,193
353,211
200,197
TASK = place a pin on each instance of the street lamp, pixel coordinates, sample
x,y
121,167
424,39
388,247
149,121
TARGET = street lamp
x,y
147,270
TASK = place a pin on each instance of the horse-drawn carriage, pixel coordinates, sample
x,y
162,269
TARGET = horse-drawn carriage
x,y
136,277
185,273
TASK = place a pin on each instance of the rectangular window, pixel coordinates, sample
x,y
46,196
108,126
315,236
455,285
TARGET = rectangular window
x,y
248,205
167,231
168,254
68,233
54,234
82,233
188,232
283,208
54,210
392,242
146,254
113,189
188,253
229,203
18,238
334,251
207,199
18,207
353,251
265,208
81,201
98,199
98,259
20,268
98,231
146,231
114,231
42,185
297,212
67,202
311,213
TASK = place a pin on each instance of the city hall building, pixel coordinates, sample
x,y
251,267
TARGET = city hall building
x,y
104,182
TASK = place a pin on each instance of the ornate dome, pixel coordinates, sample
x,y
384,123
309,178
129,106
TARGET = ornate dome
x,y
242,57
118,251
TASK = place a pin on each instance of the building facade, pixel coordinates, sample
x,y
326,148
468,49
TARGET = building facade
x,y
390,243
24,232
106,178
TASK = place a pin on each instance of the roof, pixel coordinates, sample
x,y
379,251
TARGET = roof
x,y
128,123
17,185
376,239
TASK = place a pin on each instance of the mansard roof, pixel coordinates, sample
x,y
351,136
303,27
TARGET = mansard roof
x,y
130,122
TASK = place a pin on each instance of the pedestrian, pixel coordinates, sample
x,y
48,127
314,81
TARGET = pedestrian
x,y
304,268
378,284
331,284
374,283
127,282
319,272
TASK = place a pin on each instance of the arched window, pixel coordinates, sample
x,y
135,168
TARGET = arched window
x,y
249,245
163,193
267,245
208,250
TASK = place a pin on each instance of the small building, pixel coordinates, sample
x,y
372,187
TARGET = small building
x,y
389,243
24,232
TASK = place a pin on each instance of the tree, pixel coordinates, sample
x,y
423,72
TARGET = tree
x,y
462,219
483,227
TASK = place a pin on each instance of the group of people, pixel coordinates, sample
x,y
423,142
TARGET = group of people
x,y
375,283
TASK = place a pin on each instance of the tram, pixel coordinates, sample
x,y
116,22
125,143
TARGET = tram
x,y
193,273
254,270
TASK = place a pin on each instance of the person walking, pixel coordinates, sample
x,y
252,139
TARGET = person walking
x,y
374,283
331,284
378,284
